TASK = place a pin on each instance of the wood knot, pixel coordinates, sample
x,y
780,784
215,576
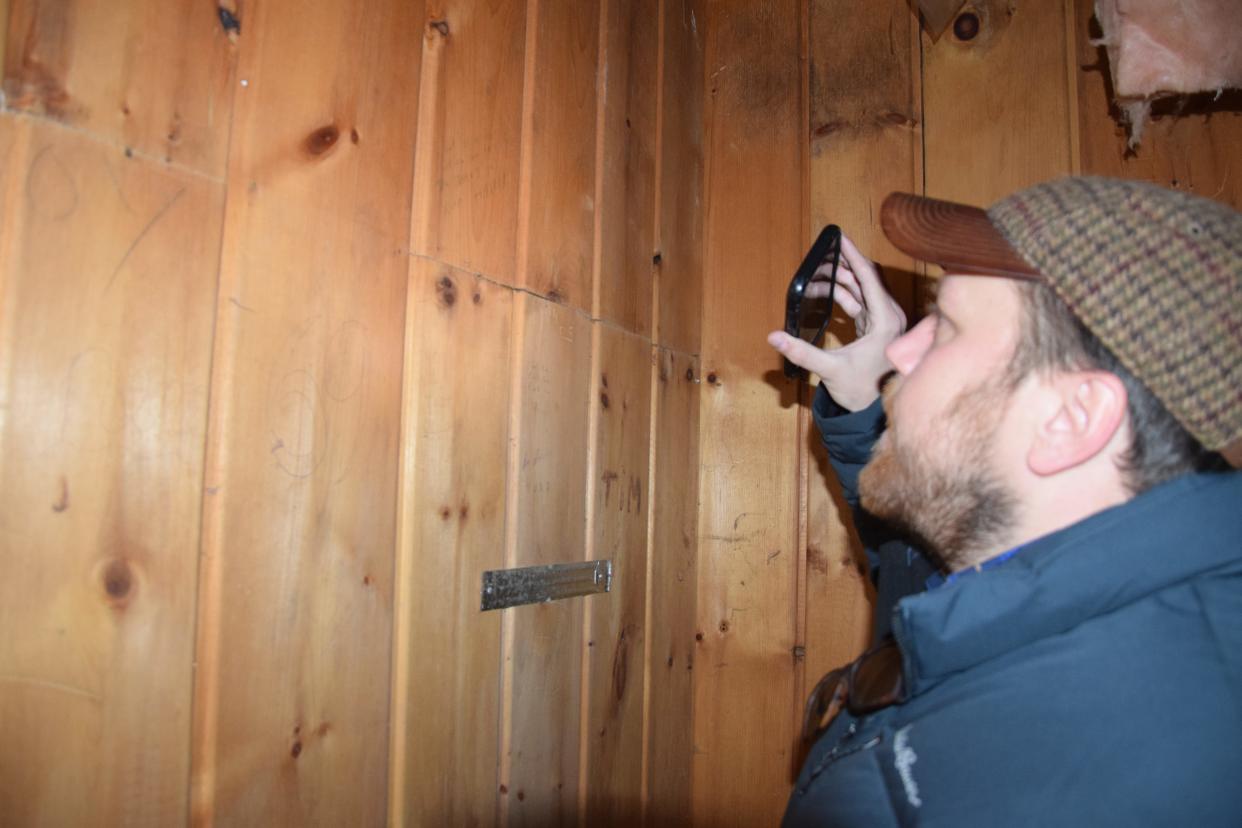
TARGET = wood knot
x,y
446,291
440,26
966,26
603,399
322,140
62,502
117,579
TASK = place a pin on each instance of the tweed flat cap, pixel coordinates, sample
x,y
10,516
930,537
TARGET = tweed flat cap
x,y
1154,274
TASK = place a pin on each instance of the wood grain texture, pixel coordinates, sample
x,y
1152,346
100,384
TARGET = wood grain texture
x,y
626,205
296,588
559,229
679,279
549,509
1193,148
866,123
673,577
866,141
469,136
615,666
996,107
749,452
445,691
107,281
154,75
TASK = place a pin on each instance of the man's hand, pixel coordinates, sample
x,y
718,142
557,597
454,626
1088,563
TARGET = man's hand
x,y
852,372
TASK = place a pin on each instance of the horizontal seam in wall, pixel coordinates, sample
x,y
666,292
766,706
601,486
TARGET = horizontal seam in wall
x,y
124,149
578,311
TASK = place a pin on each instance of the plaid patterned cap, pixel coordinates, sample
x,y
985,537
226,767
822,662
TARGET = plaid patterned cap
x,y
1155,274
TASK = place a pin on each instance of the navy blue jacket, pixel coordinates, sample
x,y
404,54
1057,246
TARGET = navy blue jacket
x,y
1095,678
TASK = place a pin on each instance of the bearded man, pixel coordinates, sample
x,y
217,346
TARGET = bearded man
x,y
1051,490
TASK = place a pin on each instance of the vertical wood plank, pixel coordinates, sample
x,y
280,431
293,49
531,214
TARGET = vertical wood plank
x,y
469,136
866,122
107,284
615,664
544,658
452,529
1197,150
673,555
679,280
560,228
996,108
296,588
748,520
155,75
627,199
866,141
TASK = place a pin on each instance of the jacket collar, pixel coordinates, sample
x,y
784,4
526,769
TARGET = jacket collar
x,y
1169,534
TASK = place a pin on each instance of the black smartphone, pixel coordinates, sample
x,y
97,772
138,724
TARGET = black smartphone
x,y
807,318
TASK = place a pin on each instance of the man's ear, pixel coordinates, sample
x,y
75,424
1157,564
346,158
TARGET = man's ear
x,y
1085,411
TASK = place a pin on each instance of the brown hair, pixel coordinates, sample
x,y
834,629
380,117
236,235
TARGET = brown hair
x,y
1052,339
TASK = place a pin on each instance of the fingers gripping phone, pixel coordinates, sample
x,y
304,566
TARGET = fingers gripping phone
x,y
807,317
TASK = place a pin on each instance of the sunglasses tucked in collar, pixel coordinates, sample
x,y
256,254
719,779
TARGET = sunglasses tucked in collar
x,y
872,682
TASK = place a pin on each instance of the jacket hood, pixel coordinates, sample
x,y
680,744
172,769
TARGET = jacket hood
x,y
1167,535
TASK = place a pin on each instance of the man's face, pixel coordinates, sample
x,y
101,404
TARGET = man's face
x,y
940,468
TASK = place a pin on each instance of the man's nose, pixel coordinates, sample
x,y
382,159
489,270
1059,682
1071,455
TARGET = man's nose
x,y
906,351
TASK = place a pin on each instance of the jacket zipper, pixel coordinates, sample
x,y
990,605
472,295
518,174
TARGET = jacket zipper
x,y
837,753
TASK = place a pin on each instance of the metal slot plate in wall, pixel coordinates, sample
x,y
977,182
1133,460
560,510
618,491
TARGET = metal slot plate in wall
x,y
538,584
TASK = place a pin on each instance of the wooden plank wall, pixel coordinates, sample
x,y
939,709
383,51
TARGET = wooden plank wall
x,y
113,194
551,415
748,557
309,315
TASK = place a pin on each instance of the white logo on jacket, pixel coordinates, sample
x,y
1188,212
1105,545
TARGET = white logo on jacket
x,y
903,757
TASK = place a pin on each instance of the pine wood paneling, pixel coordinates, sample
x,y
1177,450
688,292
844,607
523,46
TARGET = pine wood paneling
x,y
296,591
672,587
748,520
679,280
469,136
544,642
446,688
107,282
155,75
558,232
628,72
615,659
866,141
996,107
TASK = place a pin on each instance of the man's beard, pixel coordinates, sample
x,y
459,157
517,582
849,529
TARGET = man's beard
x,y
945,492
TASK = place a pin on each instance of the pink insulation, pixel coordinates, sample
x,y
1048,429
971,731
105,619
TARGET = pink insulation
x,y
1159,47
